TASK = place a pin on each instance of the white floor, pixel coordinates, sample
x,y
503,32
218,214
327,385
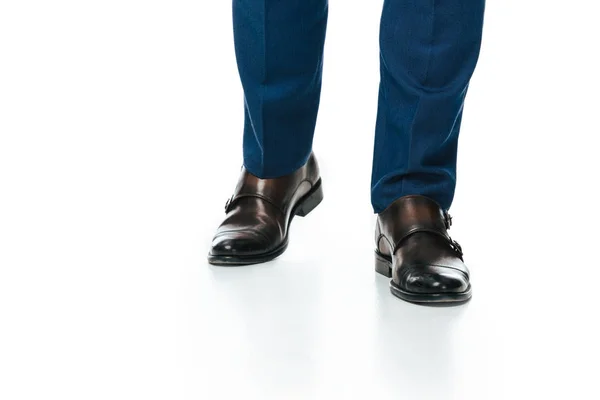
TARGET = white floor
x,y
120,142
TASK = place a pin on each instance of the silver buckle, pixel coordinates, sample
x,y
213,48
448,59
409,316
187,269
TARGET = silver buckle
x,y
228,203
457,247
447,219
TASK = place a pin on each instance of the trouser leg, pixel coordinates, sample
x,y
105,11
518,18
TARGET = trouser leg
x,y
279,50
428,51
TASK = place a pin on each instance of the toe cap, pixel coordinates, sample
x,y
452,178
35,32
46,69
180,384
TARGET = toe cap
x,y
434,279
239,244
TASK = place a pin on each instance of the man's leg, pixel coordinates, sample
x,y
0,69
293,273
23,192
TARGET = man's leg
x,y
279,49
429,49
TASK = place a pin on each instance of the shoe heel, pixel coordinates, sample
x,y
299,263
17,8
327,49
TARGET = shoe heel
x,y
311,201
383,266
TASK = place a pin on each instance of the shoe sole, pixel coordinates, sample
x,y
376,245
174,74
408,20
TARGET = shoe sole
x,y
308,203
383,266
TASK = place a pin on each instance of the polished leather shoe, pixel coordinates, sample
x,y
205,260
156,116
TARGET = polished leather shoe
x,y
414,249
258,215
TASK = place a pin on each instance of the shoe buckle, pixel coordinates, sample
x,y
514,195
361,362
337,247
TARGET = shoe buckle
x,y
447,219
228,203
457,247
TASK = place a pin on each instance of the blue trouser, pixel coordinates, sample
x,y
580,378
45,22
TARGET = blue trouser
x,y
428,51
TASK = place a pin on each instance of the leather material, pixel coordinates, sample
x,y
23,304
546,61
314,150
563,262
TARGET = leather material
x,y
412,234
259,213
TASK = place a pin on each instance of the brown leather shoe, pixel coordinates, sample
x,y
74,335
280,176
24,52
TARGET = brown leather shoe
x,y
259,213
414,249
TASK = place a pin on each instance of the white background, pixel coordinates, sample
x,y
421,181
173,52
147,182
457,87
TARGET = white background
x,y
120,140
